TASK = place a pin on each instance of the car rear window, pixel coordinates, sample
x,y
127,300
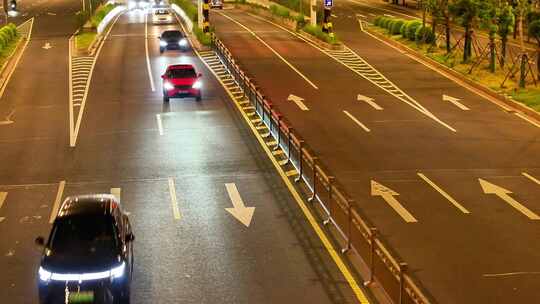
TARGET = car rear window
x,y
92,235
162,12
182,73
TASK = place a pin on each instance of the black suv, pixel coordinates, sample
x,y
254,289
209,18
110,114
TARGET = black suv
x,y
173,40
88,257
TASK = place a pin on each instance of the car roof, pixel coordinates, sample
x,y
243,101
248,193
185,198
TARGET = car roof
x,y
180,66
95,204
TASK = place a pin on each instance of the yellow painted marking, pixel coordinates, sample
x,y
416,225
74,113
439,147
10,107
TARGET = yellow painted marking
x,y
443,193
531,177
278,152
174,201
263,127
264,135
283,162
56,204
258,120
291,173
271,143
3,196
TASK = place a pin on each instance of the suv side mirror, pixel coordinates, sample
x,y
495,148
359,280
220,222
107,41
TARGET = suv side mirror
x,y
163,76
199,75
40,241
130,237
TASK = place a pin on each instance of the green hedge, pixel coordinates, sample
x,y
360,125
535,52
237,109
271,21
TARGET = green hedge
x,y
8,35
424,34
100,13
188,7
396,27
317,32
280,11
410,30
204,38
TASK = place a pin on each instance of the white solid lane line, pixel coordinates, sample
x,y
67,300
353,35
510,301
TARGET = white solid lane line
x,y
148,66
273,51
159,124
455,101
117,192
532,178
527,119
443,193
174,200
357,121
3,196
57,201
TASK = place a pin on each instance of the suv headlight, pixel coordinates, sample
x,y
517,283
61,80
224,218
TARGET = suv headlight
x,y
168,86
162,43
44,275
197,84
118,272
182,42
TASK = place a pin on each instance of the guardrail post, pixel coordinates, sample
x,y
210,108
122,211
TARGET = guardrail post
x,y
349,225
372,235
314,159
329,207
278,132
289,132
299,178
402,268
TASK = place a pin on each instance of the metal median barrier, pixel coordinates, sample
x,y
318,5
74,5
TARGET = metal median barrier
x,y
340,210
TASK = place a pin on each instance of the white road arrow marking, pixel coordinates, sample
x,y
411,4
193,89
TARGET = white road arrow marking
x,y
502,193
47,46
239,211
298,101
456,102
370,101
388,195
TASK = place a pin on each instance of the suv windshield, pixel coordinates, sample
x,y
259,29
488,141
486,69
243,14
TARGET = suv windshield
x,y
162,12
182,73
171,34
91,235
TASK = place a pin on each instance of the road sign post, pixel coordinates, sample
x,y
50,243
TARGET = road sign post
x,y
327,23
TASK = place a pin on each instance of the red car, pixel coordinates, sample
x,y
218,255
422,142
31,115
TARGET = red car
x,y
181,80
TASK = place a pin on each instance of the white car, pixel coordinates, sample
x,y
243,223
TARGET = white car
x,y
162,16
216,4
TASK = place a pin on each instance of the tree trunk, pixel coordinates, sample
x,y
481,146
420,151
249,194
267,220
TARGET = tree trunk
x,y
467,47
434,29
492,56
523,70
447,29
504,42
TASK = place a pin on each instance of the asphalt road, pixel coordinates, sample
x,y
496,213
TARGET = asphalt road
x,y
171,179
483,251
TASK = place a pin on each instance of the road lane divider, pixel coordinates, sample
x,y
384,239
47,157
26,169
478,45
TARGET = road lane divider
x,y
388,195
174,199
3,196
57,201
532,178
443,193
148,66
269,144
273,51
239,210
357,121
503,194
